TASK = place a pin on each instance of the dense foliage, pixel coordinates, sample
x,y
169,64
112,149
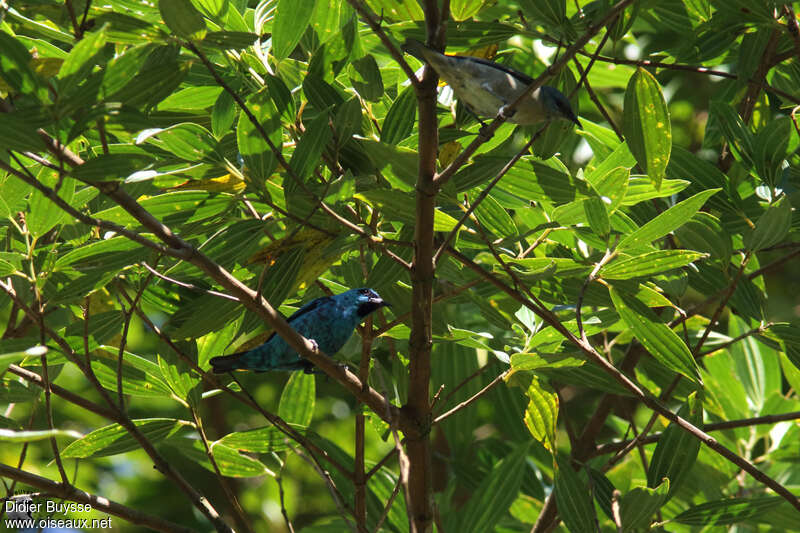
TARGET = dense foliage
x,y
591,329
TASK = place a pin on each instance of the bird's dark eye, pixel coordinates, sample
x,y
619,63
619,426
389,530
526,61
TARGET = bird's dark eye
x,y
365,292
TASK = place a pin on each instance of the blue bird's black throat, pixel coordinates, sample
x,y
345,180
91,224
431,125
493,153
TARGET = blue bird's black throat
x,y
371,306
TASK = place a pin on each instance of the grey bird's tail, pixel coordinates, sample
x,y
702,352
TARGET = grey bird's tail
x,y
415,48
226,363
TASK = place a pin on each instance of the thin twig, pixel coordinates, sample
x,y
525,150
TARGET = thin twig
x,y
472,399
99,503
185,285
485,192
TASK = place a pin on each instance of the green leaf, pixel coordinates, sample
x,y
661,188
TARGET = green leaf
x,y
222,114
214,9
493,217
15,66
280,278
535,361
230,40
6,268
188,141
7,435
464,9
597,215
259,160
728,511
769,150
111,167
495,494
704,233
756,365
702,175
612,186
114,439
789,334
648,264
541,414
79,62
321,94
15,357
19,133
192,98
668,221
641,189
535,266
261,440
142,379
307,154
640,504
551,13
771,227
43,215
39,28
107,254
399,122
230,462
366,78
13,199
177,376
647,126
676,452
740,139
398,205
574,501
291,20
663,343
183,19
297,399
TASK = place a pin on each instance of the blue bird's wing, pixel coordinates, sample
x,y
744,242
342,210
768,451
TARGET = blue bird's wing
x,y
310,306
268,356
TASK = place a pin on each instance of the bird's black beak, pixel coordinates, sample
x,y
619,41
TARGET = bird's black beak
x,y
372,305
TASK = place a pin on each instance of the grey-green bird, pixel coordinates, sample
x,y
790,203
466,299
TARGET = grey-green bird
x,y
485,87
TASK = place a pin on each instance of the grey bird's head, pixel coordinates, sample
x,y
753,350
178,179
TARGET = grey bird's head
x,y
557,104
364,301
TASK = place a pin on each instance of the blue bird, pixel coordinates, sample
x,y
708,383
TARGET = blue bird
x,y
328,321
485,87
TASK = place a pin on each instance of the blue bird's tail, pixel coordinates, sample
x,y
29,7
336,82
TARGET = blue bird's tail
x,y
226,363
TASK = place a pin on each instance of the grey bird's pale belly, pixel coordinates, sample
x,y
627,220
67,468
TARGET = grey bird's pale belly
x,y
470,85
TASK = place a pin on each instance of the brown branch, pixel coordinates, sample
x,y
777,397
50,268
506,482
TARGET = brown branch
x,y
651,402
185,285
163,466
695,69
726,296
396,54
72,493
71,397
89,221
755,331
484,193
608,256
238,512
182,250
615,447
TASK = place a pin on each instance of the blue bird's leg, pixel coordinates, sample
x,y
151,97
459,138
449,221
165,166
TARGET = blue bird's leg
x,y
308,366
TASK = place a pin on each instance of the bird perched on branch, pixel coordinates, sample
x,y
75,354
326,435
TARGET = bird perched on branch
x,y
485,87
328,321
